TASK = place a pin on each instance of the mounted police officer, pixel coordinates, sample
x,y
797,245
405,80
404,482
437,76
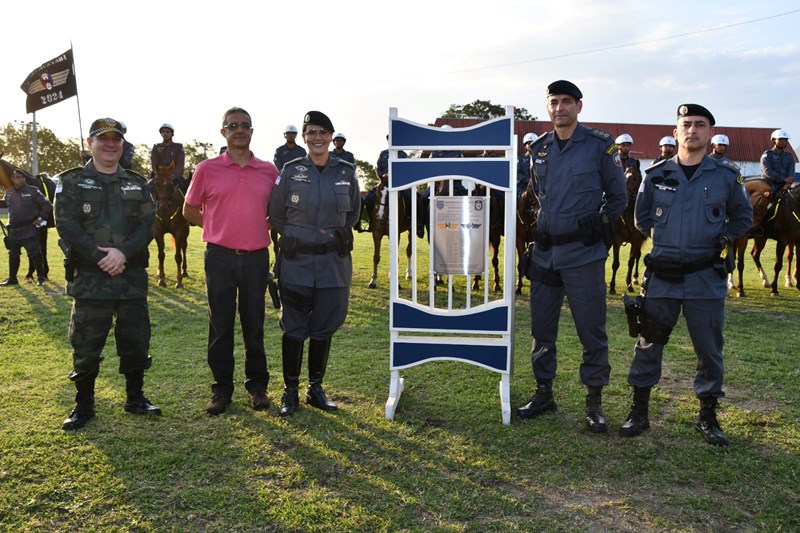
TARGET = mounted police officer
x,y
667,147
693,207
625,143
577,177
290,150
314,206
339,139
382,173
28,210
777,170
167,152
106,219
524,164
719,146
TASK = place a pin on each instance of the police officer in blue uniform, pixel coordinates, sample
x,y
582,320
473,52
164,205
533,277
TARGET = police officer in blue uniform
x,y
314,206
290,150
777,164
577,177
524,164
692,206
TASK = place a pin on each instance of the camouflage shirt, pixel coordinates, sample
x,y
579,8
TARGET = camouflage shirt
x,y
112,210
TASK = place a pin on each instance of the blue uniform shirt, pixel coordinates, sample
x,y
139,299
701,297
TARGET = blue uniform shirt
x,y
775,166
685,216
580,180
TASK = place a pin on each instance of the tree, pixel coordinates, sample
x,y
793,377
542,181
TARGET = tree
x,y
366,174
484,109
54,155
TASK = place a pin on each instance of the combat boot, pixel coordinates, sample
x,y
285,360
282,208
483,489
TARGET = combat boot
x,y
595,420
318,352
707,422
13,268
638,419
136,402
541,401
292,353
84,406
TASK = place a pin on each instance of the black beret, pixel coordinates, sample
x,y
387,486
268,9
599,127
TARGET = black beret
x,y
104,125
695,110
320,119
564,87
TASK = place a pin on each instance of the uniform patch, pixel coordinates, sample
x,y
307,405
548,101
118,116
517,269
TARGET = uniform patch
x,y
740,179
611,149
659,211
301,168
301,178
294,198
131,188
59,187
617,160
343,182
87,208
541,154
641,187
89,186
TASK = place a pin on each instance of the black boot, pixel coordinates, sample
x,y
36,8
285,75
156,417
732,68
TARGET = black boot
x,y
137,403
638,419
13,268
595,420
39,266
84,406
318,351
292,350
707,422
541,401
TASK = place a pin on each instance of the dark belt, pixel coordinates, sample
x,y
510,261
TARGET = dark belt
x,y
318,249
675,272
233,250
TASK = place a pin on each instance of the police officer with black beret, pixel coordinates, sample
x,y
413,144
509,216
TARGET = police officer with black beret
x,y
692,206
314,206
577,177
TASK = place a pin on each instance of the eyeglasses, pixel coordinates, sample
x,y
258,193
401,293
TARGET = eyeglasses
x,y
236,125
314,133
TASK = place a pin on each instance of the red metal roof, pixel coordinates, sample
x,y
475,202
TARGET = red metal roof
x,y
747,144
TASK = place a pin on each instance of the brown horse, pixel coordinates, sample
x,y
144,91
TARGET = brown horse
x,y
169,219
783,225
379,222
527,213
626,232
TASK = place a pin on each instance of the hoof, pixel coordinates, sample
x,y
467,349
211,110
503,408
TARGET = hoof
x,y
162,283
372,284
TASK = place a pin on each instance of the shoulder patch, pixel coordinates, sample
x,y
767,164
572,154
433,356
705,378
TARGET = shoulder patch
x,y
612,148
740,179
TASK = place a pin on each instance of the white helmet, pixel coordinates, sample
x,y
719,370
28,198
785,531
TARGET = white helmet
x,y
529,137
165,125
780,134
720,139
667,140
446,127
291,128
624,138
339,135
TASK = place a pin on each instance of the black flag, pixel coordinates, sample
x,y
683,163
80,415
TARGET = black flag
x,y
51,83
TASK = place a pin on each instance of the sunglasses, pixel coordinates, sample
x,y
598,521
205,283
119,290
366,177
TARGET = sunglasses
x,y
314,133
236,125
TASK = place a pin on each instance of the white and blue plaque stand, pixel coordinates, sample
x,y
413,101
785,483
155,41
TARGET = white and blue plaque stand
x,y
476,329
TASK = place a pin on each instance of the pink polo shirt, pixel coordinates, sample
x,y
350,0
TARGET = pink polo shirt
x,y
234,201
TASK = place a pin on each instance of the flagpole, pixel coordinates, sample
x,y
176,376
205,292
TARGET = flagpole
x,y
35,150
77,96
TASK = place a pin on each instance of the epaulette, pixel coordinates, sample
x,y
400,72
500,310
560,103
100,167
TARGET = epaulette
x,y
342,161
602,134
727,163
295,160
135,174
61,175
539,138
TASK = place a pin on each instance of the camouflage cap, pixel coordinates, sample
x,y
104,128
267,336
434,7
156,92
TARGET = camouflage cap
x,y
105,125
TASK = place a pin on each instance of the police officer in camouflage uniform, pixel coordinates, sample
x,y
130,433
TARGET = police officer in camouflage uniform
x,y
107,219
577,177
313,207
692,206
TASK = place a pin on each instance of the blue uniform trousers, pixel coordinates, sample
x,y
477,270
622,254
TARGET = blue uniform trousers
x,y
704,320
311,312
585,289
228,275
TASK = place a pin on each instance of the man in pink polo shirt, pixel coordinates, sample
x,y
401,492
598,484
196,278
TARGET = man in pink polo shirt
x,y
228,198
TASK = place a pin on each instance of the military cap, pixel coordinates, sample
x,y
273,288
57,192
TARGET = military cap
x,y
564,87
319,118
695,110
104,125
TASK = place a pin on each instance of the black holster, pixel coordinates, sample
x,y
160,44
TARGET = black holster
x,y
607,229
69,260
551,278
288,246
634,311
590,229
344,241
526,260
274,293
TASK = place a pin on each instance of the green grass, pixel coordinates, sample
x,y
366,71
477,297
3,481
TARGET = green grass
x,y
446,463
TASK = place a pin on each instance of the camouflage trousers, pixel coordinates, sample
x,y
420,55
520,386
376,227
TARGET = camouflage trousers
x,y
88,329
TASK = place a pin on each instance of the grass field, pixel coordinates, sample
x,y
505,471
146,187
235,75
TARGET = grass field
x,y
446,463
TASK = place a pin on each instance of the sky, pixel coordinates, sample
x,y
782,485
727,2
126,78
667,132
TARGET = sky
x,y
185,63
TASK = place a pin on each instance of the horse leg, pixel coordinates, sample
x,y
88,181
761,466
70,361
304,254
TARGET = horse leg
x,y
520,251
780,249
377,234
408,255
740,245
612,285
755,252
160,244
496,265
789,261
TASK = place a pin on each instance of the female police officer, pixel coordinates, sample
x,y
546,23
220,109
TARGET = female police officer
x,y
314,206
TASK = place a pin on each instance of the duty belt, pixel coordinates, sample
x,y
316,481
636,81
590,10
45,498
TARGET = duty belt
x,y
317,249
674,272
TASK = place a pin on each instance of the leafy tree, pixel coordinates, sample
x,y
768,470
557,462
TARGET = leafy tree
x,y
484,109
366,174
54,155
